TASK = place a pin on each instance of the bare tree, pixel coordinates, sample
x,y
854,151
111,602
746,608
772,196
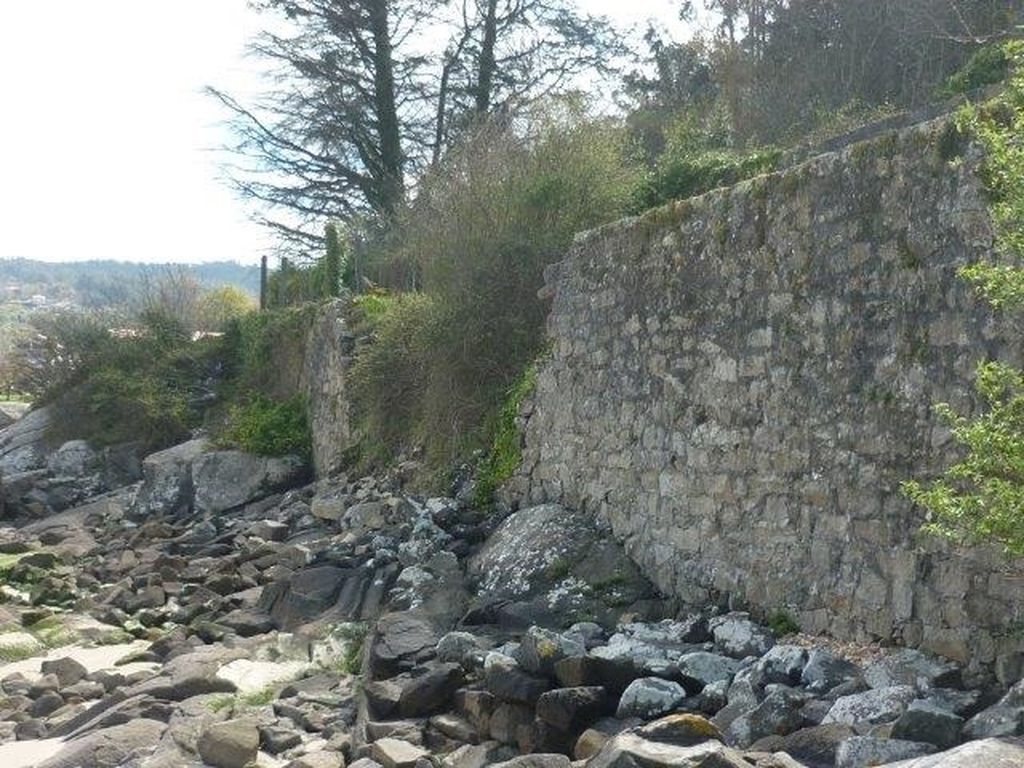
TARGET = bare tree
x,y
339,130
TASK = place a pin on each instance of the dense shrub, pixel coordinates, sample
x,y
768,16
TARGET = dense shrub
x,y
988,65
266,351
148,382
389,378
269,427
500,208
697,157
981,498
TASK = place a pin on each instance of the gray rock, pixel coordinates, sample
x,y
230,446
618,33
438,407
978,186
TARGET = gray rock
x,y
394,753
864,751
650,697
627,750
68,670
540,649
783,664
23,445
318,759
701,669
232,744
431,691
400,636
572,709
166,488
538,760
456,646
815,746
778,714
986,753
881,705
276,740
46,704
737,636
508,682
547,565
927,722
1004,718
223,480
109,747
75,458
824,671
911,667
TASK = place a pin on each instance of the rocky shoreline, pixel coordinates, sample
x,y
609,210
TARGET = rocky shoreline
x,y
201,607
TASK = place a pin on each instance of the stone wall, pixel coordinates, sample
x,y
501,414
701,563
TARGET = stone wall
x,y
739,382
329,347
315,363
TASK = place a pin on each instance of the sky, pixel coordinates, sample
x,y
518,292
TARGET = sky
x,y
107,144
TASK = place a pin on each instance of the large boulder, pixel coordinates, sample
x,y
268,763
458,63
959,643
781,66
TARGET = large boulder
x,y
630,749
109,747
23,445
1004,718
232,744
986,753
167,481
223,480
551,566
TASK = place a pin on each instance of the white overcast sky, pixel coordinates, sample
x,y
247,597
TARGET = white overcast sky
x,y
105,137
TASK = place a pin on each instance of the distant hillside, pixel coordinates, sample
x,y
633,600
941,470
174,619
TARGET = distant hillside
x,y
108,283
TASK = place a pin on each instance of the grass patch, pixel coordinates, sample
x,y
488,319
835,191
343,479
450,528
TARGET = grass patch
x,y
268,427
260,698
507,451
221,703
13,653
782,623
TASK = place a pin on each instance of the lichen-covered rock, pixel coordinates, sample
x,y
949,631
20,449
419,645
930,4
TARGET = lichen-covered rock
x,y
226,479
866,751
551,566
739,637
628,749
167,481
987,753
779,713
701,668
540,649
927,722
879,705
824,671
650,697
1004,718
910,667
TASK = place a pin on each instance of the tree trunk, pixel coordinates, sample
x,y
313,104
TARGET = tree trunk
x,y
391,161
485,80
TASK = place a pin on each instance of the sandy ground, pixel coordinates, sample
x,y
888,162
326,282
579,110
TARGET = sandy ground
x,y
93,659
26,754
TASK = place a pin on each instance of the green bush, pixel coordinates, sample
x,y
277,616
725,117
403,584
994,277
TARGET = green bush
x,y
988,65
147,382
485,225
679,176
506,452
266,350
388,379
981,498
268,427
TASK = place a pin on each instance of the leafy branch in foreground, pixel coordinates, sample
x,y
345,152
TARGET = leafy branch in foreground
x,y
981,498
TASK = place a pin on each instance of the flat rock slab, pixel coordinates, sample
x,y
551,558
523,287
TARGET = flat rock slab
x,y
394,753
